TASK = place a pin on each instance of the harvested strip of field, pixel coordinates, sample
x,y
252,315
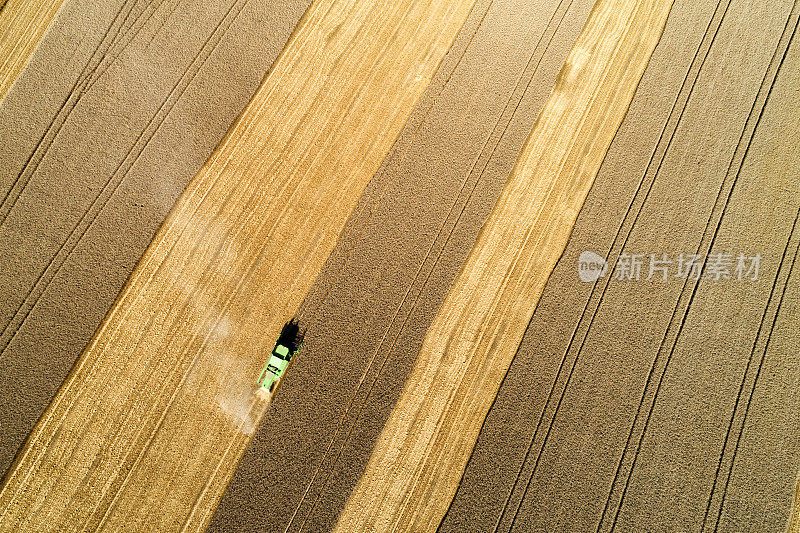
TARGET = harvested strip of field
x,y
415,467
148,427
412,230
22,24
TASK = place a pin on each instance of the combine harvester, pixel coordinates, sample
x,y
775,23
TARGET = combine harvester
x,y
288,344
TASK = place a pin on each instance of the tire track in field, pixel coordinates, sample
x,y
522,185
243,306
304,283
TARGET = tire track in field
x,y
755,349
746,377
656,160
118,175
48,136
732,175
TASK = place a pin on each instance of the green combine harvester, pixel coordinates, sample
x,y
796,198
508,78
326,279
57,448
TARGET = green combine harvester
x,y
288,344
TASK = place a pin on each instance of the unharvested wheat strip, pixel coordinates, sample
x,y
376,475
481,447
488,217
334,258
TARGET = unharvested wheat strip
x,y
148,428
22,24
415,467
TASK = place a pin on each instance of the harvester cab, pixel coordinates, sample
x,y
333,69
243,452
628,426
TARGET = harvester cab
x,y
288,344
